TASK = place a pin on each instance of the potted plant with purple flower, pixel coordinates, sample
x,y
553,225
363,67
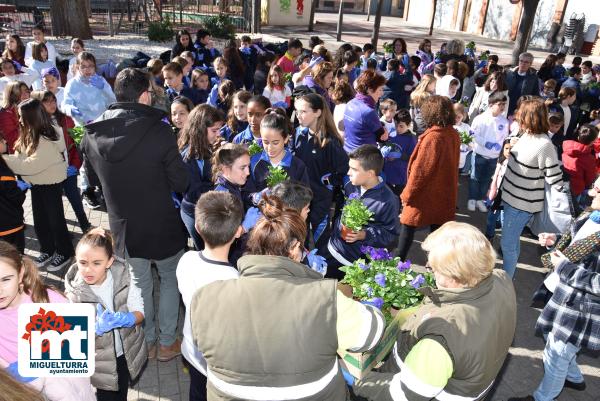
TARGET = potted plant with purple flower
x,y
355,215
385,282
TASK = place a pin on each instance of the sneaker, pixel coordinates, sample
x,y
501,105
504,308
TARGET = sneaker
x,y
575,386
166,353
43,260
89,199
481,206
58,262
471,205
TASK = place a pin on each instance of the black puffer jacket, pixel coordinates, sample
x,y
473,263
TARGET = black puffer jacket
x,y
134,155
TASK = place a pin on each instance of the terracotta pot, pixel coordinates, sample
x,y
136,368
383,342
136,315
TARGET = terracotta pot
x,y
345,289
345,232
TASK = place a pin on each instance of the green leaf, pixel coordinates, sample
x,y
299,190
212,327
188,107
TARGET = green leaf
x,y
276,175
355,214
254,148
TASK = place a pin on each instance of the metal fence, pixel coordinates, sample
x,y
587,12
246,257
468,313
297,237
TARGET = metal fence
x,y
125,16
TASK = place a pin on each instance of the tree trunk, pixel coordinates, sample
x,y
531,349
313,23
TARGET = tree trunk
x,y
311,18
432,17
524,32
376,24
70,18
340,21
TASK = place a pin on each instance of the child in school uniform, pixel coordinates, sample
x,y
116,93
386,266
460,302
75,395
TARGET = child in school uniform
x,y
397,150
200,83
489,131
181,107
220,67
196,142
237,116
275,134
218,222
21,284
101,279
278,93
173,75
257,107
318,144
366,164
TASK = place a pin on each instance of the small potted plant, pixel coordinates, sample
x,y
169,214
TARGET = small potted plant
x,y
276,175
77,134
254,148
355,215
385,282
388,48
287,77
466,138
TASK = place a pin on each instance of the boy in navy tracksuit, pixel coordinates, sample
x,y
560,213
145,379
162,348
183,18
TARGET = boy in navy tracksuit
x,y
327,167
366,163
397,150
205,55
249,57
173,75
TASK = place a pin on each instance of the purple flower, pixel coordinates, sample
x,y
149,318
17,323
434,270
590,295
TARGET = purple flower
x,y
355,195
363,266
364,249
378,253
377,302
417,281
380,279
369,292
403,266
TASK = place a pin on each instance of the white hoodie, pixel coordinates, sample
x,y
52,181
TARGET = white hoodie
x,y
442,86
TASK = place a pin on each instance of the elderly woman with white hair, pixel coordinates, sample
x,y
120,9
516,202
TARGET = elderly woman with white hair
x,y
456,342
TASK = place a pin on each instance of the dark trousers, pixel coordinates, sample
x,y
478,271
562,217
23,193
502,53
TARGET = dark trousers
x,y
407,235
17,239
197,384
123,380
74,197
320,224
49,220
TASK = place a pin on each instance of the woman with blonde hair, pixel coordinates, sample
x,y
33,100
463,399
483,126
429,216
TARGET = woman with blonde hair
x,y
462,331
532,165
424,89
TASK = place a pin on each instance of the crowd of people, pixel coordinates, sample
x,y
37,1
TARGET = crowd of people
x,y
250,154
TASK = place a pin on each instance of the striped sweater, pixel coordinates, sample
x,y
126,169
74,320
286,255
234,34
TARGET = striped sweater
x,y
532,161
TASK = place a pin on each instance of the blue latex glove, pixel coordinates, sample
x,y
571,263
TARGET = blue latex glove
x,y
17,65
481,64
316,262
71,171
251,218
315,61
283,105
97,82
325,180
23,186
348,377
196,45
123,319
75,112
13,370
405,60
493,146
258,195
246,50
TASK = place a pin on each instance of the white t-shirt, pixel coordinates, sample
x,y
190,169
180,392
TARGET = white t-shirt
x,y
489,134
194,271
135,302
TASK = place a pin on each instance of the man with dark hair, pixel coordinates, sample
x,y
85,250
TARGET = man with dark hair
x,y
521,81
286,62
134,155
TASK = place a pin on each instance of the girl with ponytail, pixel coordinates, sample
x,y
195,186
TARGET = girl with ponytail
x,y
319,145
231,168
20,284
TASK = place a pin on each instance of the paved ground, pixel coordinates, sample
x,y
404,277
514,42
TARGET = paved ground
x,y
357,30
523,370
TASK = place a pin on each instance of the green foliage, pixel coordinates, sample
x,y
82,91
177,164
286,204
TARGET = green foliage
x,y
384,281
466,137
276,175
470,45
161,31
355,214
287,77
388,47
220,26
254,148
77,134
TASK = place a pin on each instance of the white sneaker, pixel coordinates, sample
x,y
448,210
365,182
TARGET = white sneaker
x,y
481,206
471,205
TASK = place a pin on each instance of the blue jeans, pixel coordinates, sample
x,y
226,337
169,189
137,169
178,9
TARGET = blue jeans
x,y
168,304
493,217
481,176
515,221
466,170
190,225
72,193
559,364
